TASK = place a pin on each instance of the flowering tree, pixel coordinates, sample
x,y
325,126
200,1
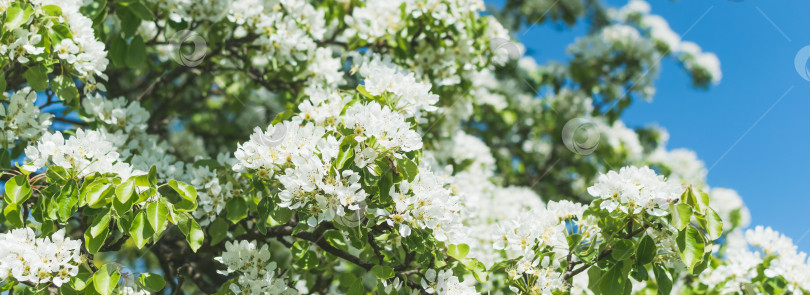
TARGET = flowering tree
x,y
385,147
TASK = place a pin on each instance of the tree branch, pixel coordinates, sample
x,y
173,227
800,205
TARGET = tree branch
x,y
570,274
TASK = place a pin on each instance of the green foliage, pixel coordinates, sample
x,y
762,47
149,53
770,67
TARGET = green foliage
x,y
105,281
151,282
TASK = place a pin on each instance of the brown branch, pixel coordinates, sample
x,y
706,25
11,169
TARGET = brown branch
x,y
69,121
115,246
317,238
375,247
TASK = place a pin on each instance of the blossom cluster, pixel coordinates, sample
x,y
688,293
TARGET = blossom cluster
x,y
125,123
86,153
444,282
693,58
80,49
257,273
404,91
448,62
26,258
774,255
512,220
427,204
633,190
301,152
21,119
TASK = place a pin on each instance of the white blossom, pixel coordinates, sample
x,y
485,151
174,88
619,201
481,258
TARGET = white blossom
x,y
256,272
26,258
86,153
633,190
21,119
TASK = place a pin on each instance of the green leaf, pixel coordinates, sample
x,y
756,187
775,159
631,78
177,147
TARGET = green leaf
x,y
129,22
191,229
613,281
48,227
136,53
13,215
308,261
94,243
298,249
122,209
152,282
59,32
141,11
702,200
58,175
336,239
188,193
52,10
156,215
646,250
37,77
478,269
622,250
346,153
94,8
2,81
5,158
280,214
90,291
100,224
118,51
237,209
704,263
681,215
382,272
573,240
66,201
104,282
355,287
125,190
97,193
17,189
218,230
409,168
384,185
663,279
16,16
691,245
81,280
362,90
640,273
595,275
152,176
264,208
142,180
698,201
140,230
64,88
714,224
458,251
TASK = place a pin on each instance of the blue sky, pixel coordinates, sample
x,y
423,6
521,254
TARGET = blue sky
x,y
754,141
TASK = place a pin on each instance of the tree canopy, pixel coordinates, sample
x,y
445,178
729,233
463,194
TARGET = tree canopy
x,y
357,147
